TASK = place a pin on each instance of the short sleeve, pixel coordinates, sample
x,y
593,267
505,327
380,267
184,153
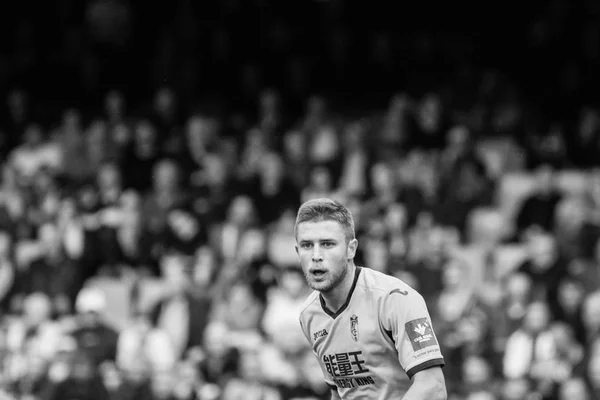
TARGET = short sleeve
x,y
405,318
303,329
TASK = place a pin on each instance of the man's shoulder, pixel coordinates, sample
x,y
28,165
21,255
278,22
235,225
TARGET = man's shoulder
x,y
309,303
381,284
391,293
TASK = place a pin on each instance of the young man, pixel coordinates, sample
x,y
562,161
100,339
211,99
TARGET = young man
x,y
368,330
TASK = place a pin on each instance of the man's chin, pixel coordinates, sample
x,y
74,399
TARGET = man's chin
x,y
321,286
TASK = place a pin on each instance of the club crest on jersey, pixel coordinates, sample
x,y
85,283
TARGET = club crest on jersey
x,y
354,327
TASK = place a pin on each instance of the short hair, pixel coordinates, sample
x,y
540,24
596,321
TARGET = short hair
x,y
324,209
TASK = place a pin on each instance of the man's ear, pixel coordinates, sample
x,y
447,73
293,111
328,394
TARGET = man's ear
x,y
351,251
296,247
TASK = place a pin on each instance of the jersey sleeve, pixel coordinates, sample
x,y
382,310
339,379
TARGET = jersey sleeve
x,y
302,326
407,322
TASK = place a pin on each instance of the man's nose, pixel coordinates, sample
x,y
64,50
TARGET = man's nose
x,y
317,255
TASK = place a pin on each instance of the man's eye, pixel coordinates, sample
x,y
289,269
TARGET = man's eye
x,y
328,245
306,245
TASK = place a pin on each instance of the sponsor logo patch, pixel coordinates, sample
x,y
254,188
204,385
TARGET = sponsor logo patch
x,y
420,333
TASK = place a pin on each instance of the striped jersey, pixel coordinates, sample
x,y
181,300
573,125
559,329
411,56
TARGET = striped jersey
x,y
374,344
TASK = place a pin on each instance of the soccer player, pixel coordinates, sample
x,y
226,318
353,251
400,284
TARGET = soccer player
x,y
367,329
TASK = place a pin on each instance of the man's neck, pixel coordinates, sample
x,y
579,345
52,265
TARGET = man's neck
x,y
336,298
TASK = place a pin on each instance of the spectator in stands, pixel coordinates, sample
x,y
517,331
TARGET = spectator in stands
x,y
570,224
213,188
270,114
280,356
221,360
478,378
34,153
113,382
587,269
167,195
227,235
396,221
574,388
467,187
591,317
250,384
570,352
182,313
45,266
593,372
7,271
166,117
319,184
162,385
567,306
115,108
99,145
459,148
34,382
111,216
201,139
189,383
356,158
431,123
531,352
584,148
32,342
94,337
509,314
294,153
18,116
538,210
272,190
465,330
376,249
141,157
518,389
149,177
544,265
427,255
280,241
70,137
83,382
142,344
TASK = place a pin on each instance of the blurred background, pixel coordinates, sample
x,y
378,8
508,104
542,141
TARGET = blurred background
x,y
153,156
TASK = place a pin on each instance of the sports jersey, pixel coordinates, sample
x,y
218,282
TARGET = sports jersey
x,y
376,341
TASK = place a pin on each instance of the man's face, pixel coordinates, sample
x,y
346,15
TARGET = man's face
x,y
324,253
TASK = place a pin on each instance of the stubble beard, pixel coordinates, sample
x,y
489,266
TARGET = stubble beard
x,y
331,282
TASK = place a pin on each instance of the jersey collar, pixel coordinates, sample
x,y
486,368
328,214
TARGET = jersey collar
x,y
345,305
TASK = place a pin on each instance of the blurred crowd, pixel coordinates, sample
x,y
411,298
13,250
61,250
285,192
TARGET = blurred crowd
x,y
147,247
502,244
